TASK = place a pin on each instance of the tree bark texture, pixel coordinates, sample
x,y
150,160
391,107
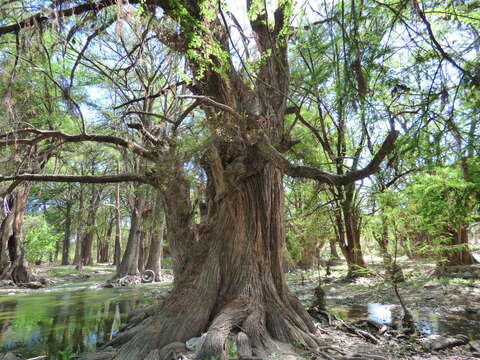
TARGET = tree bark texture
x,y
228,274
13,265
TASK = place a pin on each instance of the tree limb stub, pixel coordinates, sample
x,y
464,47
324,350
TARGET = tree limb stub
x,y
274,156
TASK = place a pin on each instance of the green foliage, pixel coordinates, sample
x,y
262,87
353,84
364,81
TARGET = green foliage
x,y
232,350
40,239
440,200
439,203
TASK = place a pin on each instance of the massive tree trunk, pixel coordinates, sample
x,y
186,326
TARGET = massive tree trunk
x,y
457,251
228,274
13,265
66,237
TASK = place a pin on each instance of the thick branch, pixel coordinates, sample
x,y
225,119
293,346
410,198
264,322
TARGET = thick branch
x,y
50,134
40,18
276,158
88,179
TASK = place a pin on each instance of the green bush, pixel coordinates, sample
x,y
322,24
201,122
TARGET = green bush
x,y
40,239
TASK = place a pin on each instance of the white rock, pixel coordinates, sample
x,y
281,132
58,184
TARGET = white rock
x,y
196,343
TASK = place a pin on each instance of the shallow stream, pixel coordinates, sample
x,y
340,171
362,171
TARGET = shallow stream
x,y
62,322
427,320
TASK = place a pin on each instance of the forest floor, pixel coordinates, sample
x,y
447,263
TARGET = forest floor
x,y
440,305
449,306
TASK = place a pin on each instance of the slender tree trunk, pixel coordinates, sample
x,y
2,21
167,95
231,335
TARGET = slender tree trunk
x,y
333,248
348,228
89,235
103,245
129,264
66,237
143,250
13,265
349,235
393,271
78,243
458,253
154,262
118,229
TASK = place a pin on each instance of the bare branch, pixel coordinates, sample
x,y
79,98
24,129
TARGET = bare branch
x,y
145,133
213,103
276,158
153,96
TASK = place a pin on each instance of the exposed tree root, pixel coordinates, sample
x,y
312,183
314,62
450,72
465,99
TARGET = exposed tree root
x,y
325,353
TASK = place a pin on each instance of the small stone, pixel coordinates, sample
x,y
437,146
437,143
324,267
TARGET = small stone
x,y
438,342
4,283
196,343
430,284
172,351
475,345
467,275
9,356
33,285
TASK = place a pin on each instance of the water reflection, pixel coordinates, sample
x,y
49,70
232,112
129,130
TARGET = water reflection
x,y
427,321
59,324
